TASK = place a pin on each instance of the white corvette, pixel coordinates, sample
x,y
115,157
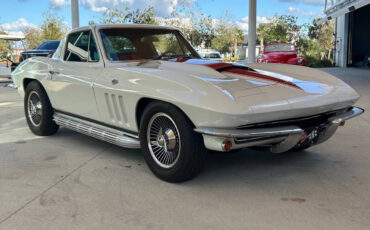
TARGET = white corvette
x,y
143,86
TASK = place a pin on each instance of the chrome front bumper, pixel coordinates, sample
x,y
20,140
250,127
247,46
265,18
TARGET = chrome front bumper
x,y
281,138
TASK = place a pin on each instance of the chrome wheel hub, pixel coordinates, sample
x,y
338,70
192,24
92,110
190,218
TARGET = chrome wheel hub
x,y
163,140
34,108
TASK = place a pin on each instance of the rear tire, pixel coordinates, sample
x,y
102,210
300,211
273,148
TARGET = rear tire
x,y
172,150
38,110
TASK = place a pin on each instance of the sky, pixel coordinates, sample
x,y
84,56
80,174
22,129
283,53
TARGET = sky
x,y
16,15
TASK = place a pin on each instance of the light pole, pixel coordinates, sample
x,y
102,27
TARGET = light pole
x,y
252,31
75,14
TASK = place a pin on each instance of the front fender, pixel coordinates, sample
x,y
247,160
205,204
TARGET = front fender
x,y
297,61
36,68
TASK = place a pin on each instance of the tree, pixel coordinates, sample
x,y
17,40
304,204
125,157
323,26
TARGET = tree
x,y
33,38
4,45
275,31
261,33
138,16
227,35
292,28
52,28
323,34
197,27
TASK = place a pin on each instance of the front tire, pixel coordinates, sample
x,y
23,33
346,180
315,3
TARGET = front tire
x,y
38,110
172,150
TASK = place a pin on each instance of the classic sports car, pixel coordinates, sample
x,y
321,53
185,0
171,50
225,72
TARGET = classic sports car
x,y
284,53
144,86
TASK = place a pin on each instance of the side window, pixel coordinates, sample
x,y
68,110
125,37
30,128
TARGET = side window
x,y
77,47
93,50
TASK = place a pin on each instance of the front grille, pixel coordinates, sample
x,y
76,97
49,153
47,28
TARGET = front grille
x,y
302,122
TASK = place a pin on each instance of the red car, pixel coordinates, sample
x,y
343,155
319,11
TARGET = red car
x,y
280,53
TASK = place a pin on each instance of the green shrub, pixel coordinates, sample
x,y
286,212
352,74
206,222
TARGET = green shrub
x,y
314,62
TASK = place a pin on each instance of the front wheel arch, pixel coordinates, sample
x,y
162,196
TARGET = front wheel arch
x,y
27,81
144,102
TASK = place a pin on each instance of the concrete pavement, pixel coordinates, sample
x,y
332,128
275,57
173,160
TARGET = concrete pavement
x,y
71,181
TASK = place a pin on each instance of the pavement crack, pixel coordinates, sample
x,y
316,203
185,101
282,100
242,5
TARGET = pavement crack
x,y
53,185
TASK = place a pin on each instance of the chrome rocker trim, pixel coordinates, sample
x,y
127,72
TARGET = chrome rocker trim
x,y
101,132
281,139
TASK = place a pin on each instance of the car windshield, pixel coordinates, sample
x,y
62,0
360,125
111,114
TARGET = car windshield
x,y
279,47
124,44
48,45
211,55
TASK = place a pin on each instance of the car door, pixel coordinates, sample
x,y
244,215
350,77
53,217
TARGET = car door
x,y
74,73
112,89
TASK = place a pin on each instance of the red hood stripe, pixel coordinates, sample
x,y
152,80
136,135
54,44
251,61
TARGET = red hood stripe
x,y
260,76
231,68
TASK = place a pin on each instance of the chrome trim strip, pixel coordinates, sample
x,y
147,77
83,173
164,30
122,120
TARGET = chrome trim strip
x,y
104,133
96,123
354,112
263,132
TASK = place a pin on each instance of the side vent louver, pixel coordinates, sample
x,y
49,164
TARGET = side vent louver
x,y
116,108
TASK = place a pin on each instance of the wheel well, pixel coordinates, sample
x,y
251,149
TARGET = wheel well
x,y
27,81
144,102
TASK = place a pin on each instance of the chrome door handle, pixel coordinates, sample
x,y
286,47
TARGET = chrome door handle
x,y
53,72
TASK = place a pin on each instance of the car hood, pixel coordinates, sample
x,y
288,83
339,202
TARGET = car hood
x,y
37,51
253,89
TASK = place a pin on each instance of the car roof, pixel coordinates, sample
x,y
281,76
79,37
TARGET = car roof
x,y
130,26
277,43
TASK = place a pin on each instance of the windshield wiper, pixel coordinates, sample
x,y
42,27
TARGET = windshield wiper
x,y
159,57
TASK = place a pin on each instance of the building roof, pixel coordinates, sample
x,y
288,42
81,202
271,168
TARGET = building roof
x,y
11,37
340,7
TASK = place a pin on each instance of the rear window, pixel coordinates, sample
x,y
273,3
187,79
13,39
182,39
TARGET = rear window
x,y
279,47
48,45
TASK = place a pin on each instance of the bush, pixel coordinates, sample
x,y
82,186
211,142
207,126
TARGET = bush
x,y
232,59
314,62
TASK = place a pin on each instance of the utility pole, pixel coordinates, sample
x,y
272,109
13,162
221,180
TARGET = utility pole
x,y
75,14
252,31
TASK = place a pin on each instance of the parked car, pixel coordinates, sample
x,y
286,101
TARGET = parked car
x,y
144,86
284,53
212,55
45,49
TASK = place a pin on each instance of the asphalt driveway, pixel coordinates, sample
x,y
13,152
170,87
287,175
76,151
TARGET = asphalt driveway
x,y
71,181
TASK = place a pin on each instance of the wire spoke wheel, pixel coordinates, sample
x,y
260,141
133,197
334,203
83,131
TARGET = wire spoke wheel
x,y
163,140
34,108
